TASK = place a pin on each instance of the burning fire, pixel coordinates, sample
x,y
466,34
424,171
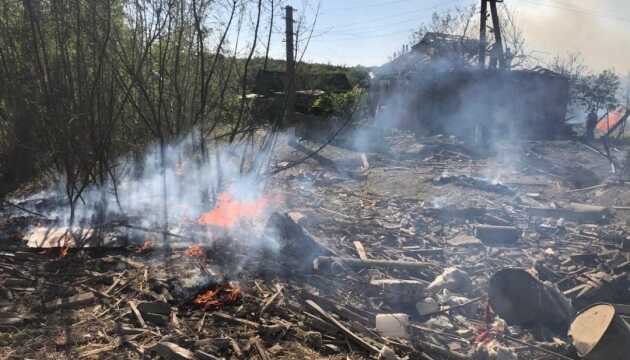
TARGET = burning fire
x,y
146,246
223,294
63,251
64,242
229,211
195,251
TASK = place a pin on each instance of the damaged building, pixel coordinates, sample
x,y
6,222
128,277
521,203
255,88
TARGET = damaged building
x,y
436,87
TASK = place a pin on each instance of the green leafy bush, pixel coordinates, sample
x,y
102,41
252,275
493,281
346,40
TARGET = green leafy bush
x,y
340,104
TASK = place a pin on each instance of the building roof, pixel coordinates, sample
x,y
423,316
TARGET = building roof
x,y
434,46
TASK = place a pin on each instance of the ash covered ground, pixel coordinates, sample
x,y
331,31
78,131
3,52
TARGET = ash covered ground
x,y
425,249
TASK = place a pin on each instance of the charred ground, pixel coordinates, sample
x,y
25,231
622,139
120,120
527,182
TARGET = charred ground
x,y
413,209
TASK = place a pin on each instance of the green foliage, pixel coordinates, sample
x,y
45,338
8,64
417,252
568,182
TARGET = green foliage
x,y
598,91
84,83
340,104
308,73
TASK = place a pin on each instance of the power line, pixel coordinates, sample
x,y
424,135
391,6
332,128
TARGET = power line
x,y
359,31
362,6
356,32
375,36
413,13
567,7
574,6
356,27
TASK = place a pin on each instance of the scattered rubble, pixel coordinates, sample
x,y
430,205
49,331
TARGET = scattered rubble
x,y
345,269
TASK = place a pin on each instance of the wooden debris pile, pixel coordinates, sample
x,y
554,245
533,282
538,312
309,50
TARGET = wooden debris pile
x,y
382,267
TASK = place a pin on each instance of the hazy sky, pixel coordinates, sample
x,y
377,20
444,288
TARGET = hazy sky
x,y
367,32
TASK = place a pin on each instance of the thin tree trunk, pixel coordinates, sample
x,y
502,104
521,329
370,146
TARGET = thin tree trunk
x,y
269,37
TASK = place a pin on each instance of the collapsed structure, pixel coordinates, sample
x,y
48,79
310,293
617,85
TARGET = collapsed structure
x,y
337,257
436,88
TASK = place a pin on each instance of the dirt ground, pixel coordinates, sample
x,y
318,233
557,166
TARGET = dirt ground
x,y
416,195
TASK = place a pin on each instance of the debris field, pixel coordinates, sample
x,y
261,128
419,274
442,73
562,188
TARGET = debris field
x,y
425,250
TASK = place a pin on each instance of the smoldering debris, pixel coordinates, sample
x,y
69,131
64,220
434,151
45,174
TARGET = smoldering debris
x,y
468,181
379,266
435,88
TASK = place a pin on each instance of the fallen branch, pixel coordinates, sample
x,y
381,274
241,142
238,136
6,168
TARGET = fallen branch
x,y
454,307
260,348
536,347
357,339
588,188
136,312
322,262
272,299
6,202
161,232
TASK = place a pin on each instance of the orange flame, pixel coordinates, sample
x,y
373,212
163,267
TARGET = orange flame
x,y
146,246
64,244
63,251
224,294
195,251
206,297
230,211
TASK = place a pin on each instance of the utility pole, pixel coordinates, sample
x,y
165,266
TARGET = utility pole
x,y
482,34
496,27
290,70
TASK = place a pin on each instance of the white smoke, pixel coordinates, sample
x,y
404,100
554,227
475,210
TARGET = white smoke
x,y
193,187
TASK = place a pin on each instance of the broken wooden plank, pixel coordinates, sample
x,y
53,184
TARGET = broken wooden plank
x,y
453,307
260,348
360,250
202,355
493,235
172,351
136,312
423,252
319,324
344,311
326,262
271,299
107,348
584,213
224,316
356,338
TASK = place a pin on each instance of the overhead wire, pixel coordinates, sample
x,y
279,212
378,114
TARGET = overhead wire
x,y
357,29
567,7
362,6
361,31
397,15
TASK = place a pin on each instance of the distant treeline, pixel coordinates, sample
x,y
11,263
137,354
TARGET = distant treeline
x,y
357,75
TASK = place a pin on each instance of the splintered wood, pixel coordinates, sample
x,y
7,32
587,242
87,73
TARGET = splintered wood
x,y
458,255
